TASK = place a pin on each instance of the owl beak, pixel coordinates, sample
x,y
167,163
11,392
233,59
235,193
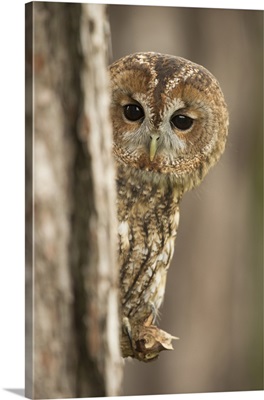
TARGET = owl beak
x,y
153,145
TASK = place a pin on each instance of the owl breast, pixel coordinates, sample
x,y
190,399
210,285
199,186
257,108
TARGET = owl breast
x,y
148,222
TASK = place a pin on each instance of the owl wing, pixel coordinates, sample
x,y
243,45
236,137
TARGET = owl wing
x,y
146,244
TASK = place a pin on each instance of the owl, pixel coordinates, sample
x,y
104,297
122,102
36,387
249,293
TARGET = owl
x,y
170,124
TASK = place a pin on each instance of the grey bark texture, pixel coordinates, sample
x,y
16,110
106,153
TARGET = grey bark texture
x,y
72,329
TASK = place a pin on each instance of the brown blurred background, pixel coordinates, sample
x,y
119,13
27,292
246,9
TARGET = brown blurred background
x,y
214,295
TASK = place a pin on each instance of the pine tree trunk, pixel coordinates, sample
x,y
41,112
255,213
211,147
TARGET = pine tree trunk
x,y
72,332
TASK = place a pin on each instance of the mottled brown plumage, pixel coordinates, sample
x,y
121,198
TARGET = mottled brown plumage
x,y
170,125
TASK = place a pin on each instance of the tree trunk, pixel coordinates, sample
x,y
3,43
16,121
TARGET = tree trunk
x,y
72,329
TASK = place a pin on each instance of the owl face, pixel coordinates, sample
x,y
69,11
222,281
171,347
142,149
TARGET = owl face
x,y
169,116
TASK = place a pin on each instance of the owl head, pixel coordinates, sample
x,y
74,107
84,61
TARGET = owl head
x,y
169,117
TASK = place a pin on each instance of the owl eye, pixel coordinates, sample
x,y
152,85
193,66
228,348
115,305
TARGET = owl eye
x,y
133,112
182,122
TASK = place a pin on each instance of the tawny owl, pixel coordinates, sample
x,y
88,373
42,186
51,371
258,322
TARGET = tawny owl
x,y
170,124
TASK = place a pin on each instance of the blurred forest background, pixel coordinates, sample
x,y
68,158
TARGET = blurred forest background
x,y
214,295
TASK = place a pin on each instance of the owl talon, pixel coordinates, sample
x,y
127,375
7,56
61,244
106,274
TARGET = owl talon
x,y
155,313
127,330
153,316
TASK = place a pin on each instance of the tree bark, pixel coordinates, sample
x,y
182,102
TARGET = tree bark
x,y
72,328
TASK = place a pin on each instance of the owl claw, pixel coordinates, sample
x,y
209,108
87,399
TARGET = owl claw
x,y
153,316
155,313
127,330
